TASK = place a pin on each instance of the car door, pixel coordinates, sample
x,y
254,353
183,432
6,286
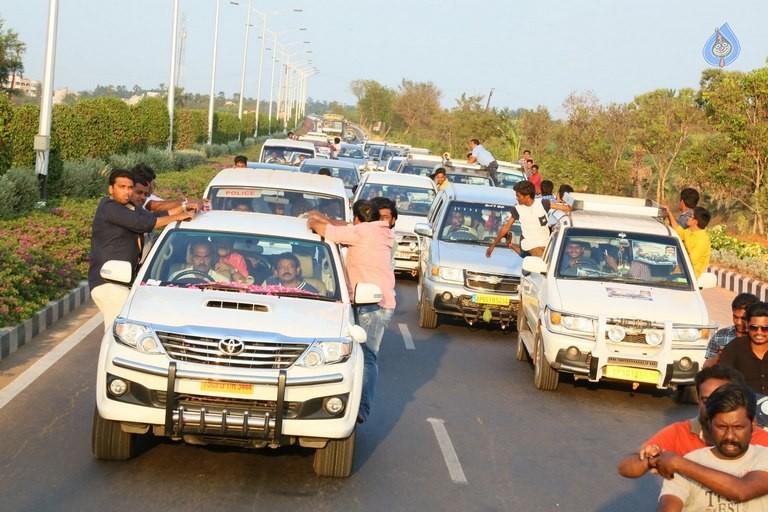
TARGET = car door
x,y
533,293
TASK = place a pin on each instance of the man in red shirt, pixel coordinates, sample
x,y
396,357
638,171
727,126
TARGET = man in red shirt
x,y
688,435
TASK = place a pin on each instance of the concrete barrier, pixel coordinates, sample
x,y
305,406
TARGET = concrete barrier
x,y
11,338
735,282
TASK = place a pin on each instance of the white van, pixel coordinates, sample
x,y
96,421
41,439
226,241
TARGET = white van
x,y
286,151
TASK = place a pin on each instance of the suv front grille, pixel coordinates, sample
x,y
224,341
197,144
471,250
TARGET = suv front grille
x,y
490,282
264,355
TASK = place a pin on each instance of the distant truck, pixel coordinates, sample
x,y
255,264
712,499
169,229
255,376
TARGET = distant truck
x,y
334,125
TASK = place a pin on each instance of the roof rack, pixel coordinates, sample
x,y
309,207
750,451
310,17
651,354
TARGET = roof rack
x,y
614,204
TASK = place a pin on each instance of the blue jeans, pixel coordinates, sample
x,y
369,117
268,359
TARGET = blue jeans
x,y
374,323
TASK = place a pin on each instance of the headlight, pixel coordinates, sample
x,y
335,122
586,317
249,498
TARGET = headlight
x,y
572,322
452,274
137,336
325,352
687,334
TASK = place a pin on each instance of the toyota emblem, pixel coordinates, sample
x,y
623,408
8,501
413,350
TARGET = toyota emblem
x,y
231,346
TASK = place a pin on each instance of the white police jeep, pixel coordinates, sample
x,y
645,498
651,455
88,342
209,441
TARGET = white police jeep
x,y
197,358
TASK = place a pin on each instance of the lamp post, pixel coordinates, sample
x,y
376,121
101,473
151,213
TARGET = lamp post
x,y
286,86
272,80
245,60
213,74
264,17
172,80
42,141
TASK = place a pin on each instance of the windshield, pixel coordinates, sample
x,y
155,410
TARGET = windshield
x,y
624,257
244,263
347,175
275,201
375,151
285,155
351,152
409,200
508,180
469,179
477,223
421,170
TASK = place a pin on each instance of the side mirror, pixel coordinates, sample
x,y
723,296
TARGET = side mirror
x,y
423,229
117,270
367,293
707,280
358,334
534,264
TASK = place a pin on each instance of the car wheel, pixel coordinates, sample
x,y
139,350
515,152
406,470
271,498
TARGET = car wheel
x,y
108,441
427,315
687,395
335,460
522,353
545,377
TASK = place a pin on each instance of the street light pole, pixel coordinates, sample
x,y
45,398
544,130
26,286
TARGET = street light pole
x,y
272,81
213,75
42,141
172,80
245,60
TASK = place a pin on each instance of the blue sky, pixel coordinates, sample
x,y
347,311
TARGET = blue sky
x,y
530,53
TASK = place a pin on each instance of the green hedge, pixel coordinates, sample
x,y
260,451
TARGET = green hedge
x,y
149,124
6,117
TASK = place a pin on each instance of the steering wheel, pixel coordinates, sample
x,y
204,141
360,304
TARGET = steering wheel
x,y
580,264
462,234
192,275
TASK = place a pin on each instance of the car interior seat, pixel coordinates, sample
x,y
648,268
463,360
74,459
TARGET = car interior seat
x,y
307,264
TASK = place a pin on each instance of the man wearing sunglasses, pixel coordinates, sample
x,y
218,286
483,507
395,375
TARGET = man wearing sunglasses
x,y
748,353
724,336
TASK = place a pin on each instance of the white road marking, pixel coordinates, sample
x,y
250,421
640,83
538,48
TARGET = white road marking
x,y
407,338
449,454
33,372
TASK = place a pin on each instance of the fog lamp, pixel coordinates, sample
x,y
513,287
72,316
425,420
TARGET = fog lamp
x,y
616,333
685,363
334,405
654,337
446,296
118,387
572,353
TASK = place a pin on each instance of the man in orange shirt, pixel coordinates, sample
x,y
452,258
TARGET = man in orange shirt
x,y
688,435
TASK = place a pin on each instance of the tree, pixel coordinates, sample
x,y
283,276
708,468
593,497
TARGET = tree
x,y
737,105
11,55
664,122
374,101
417,104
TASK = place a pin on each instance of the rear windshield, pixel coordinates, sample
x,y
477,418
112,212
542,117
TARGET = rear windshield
x,y
278,202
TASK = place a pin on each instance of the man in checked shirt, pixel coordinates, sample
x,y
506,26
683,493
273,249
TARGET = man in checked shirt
x,y
739,328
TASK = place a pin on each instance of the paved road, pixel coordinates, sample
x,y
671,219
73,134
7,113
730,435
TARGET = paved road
x,y
457,425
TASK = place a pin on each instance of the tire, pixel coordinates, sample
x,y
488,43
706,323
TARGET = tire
x,y
545,377
427,315
108,441
336,459
687,395
521,353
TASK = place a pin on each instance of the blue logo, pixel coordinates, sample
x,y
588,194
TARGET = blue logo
x,y
722,48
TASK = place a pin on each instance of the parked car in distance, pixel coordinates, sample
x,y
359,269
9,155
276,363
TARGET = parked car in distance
x,y
413,197
455,276
645,321
193,357
419,164
345,171
278,192
353,153
286,151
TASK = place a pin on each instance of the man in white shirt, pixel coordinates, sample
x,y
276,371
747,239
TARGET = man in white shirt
x,y
483,157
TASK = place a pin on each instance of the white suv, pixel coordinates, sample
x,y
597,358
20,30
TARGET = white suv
x,y
614,297
252,365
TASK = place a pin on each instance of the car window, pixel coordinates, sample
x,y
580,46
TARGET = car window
x,y
508,180
468,179
275,201
419,170
409,200
477,223
621,256
205,259
285,155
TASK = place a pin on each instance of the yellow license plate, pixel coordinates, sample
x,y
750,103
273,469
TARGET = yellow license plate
x,y
237,388
632,374
478,298
402,255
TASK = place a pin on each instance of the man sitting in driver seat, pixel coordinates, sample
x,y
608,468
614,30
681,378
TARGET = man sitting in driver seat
x,y
575,257
201,256
457,224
